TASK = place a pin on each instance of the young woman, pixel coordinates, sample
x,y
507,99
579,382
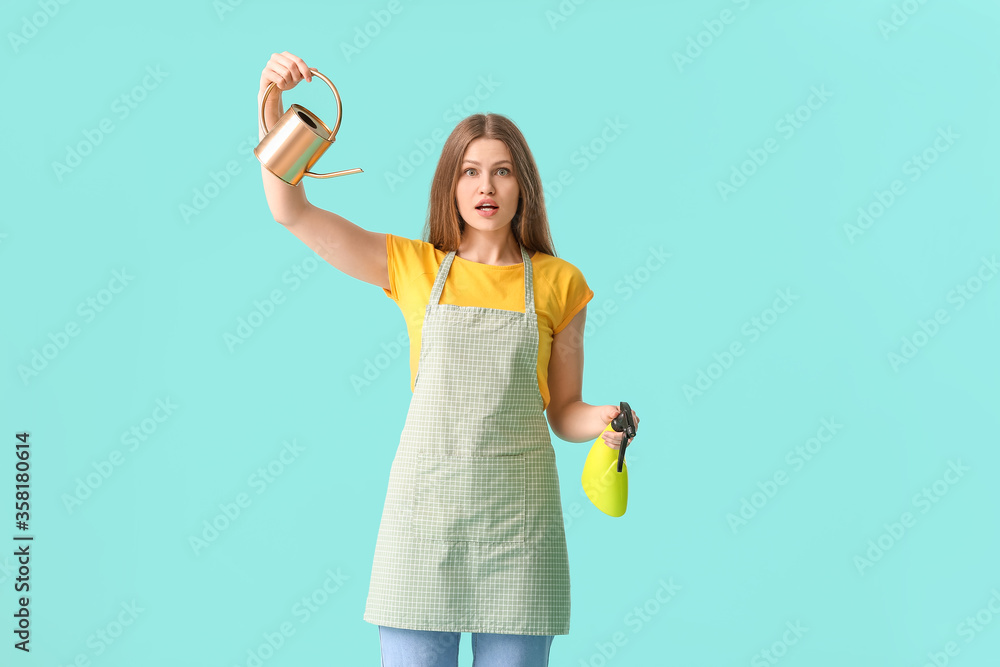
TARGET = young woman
x,y
471,537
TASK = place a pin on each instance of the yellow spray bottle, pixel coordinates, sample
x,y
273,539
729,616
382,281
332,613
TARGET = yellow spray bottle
x,y
605,475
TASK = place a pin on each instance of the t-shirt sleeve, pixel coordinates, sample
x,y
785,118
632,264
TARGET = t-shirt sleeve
x,y
406,259
392,292
578,295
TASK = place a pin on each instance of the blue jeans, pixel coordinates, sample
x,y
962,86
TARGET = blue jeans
x,y
430,648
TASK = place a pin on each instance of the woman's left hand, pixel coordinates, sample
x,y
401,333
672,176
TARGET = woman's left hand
x,y
613,439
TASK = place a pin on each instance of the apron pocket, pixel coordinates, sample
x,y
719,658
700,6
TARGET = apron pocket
x,y
469,498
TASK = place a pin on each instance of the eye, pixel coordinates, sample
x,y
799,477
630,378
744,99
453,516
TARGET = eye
x,y
467,170
505,171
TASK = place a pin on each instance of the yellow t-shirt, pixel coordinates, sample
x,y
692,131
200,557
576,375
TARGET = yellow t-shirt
x,y
560,292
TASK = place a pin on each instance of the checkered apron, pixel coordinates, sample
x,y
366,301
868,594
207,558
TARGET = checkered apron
x,y
472,538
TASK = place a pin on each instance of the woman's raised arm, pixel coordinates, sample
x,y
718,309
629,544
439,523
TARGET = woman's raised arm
x,y
355,251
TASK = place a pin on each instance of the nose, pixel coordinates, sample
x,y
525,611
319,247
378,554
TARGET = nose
x,y
486,184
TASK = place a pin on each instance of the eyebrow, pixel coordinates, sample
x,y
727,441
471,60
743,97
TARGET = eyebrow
x,y
494,164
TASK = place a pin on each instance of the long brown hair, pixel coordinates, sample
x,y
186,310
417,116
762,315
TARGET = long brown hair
x,y
530,225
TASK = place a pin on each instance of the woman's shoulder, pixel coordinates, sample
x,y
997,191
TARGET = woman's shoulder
x,y
553,263
416,247
558,272
396,238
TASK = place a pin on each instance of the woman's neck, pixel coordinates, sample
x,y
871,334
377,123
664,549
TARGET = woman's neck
x,y
489,247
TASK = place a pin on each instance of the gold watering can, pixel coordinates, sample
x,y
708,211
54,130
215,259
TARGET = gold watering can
x,y
297,140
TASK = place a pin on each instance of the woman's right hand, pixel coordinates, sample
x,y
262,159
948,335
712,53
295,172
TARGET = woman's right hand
x,y
284,70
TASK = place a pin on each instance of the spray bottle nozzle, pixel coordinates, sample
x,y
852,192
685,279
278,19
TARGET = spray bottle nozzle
x,y
625,424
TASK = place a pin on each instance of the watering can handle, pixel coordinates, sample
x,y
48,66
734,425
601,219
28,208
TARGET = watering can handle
x,y
336,127
333,134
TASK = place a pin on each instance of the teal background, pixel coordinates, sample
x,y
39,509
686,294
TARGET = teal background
x,y
563,70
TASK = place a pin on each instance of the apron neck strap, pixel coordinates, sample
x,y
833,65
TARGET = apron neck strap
x,y
529,288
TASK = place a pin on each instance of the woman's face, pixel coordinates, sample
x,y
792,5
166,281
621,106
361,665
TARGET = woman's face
x,y
487,191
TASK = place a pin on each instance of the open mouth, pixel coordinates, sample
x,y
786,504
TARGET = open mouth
x,y
487,207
